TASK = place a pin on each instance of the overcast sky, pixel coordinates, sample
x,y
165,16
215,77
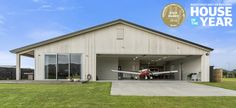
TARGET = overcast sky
x,y
23,22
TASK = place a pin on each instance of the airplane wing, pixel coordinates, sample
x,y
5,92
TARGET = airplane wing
x,y
163,72
126,72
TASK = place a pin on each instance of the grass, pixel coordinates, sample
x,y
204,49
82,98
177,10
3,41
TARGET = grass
x,y
228,83
96,95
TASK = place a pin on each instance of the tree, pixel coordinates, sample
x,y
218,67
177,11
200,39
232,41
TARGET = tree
x,y
225,73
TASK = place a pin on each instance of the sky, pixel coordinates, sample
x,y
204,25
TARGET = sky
x,y
23,22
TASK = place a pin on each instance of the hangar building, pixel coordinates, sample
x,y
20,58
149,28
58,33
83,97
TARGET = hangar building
x,y
116,44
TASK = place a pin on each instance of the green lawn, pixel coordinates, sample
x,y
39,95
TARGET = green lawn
x,y
228,83
93,95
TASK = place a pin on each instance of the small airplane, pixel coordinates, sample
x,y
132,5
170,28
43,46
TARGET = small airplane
x,y
145,73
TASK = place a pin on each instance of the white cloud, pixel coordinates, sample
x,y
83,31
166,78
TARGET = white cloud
x,y
43,34
39,1
223,57
48,31
228,50
219,51
46,6
6,58
203,27
3,27
230,1
234,51
60,8
1,22
35,0
50,8
2,19
233,31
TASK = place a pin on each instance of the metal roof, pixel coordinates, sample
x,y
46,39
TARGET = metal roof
x,y
28,47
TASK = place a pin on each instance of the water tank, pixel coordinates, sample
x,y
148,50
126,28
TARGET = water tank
x,y
217,75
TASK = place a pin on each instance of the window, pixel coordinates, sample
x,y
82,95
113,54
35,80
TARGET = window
x,y
75,65
62,66
50,66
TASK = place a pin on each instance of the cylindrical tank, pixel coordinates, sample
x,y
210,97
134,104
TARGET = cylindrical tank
x,y
217,75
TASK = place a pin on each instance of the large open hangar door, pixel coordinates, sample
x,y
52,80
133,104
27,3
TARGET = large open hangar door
x,y
184,64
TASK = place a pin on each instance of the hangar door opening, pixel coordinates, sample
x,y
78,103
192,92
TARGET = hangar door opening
x,y
186,65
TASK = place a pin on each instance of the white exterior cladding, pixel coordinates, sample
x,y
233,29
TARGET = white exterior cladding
x,y
104,41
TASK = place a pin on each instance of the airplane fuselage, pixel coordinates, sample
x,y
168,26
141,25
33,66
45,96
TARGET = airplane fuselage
x,y
145,73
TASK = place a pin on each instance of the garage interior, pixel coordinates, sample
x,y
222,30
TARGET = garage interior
x,y
186,65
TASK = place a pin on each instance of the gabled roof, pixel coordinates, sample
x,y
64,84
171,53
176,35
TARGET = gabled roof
x,y
28,47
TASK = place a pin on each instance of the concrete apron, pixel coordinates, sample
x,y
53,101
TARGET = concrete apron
x,y
166,88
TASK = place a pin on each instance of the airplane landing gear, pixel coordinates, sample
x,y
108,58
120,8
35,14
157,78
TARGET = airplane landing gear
x,y
146,77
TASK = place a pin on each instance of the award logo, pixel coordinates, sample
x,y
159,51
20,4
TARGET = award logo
x,y
173,15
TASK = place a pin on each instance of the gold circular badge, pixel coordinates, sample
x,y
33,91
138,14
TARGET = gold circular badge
x,y
173,15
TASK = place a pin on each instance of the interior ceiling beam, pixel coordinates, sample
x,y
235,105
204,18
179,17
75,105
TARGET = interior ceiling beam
x,y
28,55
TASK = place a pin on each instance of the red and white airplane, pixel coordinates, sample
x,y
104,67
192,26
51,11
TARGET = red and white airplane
x,y
145,73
